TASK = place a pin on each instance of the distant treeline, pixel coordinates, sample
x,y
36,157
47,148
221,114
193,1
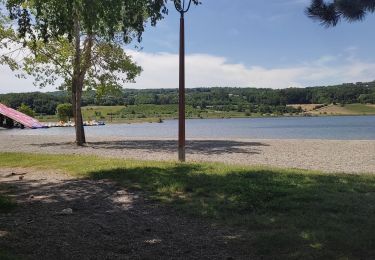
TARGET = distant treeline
x,y
41,103
217,98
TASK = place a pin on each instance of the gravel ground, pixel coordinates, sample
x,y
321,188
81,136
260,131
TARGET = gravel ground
x,y
325,155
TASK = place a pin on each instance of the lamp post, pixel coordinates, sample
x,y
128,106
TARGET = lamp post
x,y
182,8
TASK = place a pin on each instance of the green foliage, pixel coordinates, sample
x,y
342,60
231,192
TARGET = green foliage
x,y
202,100
109,20
80,41
225,98
88,34
288,214
41,103
109,67
64,112
26,110
367,98
329,13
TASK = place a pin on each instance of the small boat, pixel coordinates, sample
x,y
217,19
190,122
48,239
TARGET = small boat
x,y
93,123
72,124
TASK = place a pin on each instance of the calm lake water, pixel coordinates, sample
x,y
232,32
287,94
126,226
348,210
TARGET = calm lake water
x,y
334,128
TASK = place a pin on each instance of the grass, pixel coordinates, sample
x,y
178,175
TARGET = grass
x,y
361,109
283,214
146,113
6,204
348,109
156,113
151,113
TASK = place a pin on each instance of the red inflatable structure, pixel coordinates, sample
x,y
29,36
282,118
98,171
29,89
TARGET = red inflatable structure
x,y
19,117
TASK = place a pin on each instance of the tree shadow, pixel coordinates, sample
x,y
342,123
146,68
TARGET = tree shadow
x,y
168,211
282,215
108,221
210,147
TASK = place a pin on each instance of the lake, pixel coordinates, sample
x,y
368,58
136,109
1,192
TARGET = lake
x,y
330,127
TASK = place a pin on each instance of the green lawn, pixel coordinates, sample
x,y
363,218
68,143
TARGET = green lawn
x,y
6,204
361,109
287,214
154,113
150,113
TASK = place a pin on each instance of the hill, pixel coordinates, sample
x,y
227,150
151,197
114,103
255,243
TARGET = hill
x,y
220,99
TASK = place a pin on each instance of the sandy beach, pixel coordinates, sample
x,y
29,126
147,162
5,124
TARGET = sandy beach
x,y
323,155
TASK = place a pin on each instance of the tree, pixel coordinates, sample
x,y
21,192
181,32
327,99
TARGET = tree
x,y
329,14
26,110
64,112
82,42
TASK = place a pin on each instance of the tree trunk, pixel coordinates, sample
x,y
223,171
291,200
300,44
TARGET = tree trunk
x,y
77,85
80,131
81,64
74,102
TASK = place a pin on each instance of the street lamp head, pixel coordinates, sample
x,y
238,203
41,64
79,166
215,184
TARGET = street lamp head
x,y
182,6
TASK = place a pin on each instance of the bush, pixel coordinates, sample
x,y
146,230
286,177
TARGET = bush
x,y
26,110
64,112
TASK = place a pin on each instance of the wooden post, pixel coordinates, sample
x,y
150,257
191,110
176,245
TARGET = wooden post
x,y
181,118
182,8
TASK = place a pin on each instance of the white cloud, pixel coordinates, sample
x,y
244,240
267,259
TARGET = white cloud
x,y
10,83
160,70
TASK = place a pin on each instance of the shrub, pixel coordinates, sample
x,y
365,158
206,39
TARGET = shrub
x,y
26,110
64,112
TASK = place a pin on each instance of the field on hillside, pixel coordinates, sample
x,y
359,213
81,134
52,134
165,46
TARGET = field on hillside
x,y
150,113
157,113
367,109
337,109
349,109
306,107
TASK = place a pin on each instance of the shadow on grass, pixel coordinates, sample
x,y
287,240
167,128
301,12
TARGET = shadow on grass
x,y
285,214
107,222
193,147
6,203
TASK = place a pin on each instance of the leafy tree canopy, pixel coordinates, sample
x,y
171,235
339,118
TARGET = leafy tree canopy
x,y
330,13
80,41
107,19
64,111
26,110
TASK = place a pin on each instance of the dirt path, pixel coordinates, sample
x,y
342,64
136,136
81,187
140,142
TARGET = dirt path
x,y
107,222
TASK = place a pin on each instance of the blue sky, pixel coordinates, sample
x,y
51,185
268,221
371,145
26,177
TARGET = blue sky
x,y
269,33
244,43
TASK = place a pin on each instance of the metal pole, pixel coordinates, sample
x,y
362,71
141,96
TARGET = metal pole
x,y
181,118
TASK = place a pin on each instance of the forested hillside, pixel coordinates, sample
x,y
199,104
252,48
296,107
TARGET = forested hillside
x,y
222,99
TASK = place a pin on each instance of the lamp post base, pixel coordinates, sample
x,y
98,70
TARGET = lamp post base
x,y
181,154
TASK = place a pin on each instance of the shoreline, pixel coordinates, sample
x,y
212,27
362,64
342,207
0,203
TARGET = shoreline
x,y
153,120
331,156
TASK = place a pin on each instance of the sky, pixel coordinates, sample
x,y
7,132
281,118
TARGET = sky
x,y
246,43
